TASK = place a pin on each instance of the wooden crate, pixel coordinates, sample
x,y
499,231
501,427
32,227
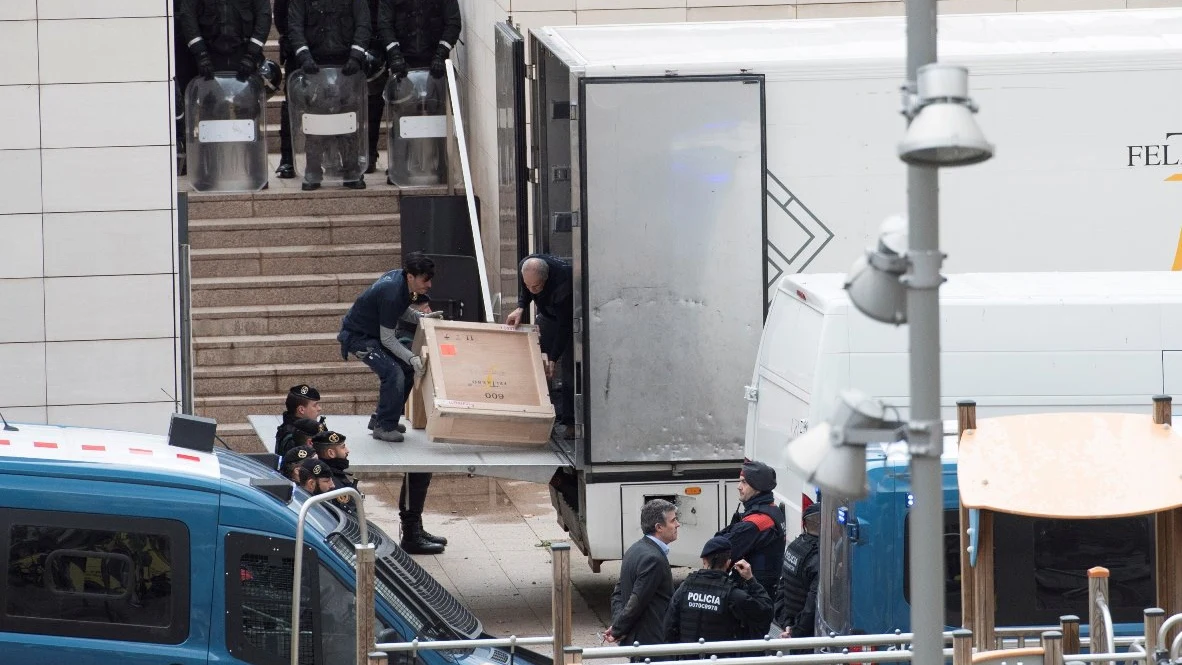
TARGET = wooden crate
x,y
485,383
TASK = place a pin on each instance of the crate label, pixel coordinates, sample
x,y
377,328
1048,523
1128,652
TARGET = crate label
x,y
454,403
447,349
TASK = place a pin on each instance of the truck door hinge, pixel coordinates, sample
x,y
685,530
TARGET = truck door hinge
x,y
578,326
564,111
563,222
559,174
531,71
751,393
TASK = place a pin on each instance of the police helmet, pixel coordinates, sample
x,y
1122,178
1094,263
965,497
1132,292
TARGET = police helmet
x,y
272,76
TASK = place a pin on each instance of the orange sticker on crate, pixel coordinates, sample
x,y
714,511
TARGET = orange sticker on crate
x,y
447,349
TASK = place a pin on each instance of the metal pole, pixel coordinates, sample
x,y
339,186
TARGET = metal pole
x,y
925,430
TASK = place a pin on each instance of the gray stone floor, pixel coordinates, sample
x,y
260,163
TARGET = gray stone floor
x,y
498,562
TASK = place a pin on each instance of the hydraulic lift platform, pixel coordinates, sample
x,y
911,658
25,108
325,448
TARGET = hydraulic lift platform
x,y
371,458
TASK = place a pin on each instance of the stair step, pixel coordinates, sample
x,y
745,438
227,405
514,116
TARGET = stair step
x,y
235,408
279,290
269,319
269,379
285,202
285,348
240,437
263,261
301,230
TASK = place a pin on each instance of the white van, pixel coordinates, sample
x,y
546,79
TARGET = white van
x,y
1013,342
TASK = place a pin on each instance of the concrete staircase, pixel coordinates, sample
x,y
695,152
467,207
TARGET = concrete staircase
x,y
273,272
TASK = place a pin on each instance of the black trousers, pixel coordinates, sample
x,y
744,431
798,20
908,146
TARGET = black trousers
x,y
550,331
376,106
413,497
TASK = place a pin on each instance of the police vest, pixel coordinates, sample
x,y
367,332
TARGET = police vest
x,y
703,612
795,573
226,26
767,553
329,29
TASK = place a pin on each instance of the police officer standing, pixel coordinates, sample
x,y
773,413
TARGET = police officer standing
x,y
328,32
757,533
286,161
331,449
418,33
796,595
225,35
711,606
546,281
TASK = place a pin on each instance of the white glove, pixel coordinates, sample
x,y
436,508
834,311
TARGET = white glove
x,y
437,314
419,368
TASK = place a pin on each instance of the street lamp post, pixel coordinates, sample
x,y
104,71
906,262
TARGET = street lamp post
x,y
925,428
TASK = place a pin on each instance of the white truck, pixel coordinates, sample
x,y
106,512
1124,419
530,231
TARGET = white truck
x,y
1011,342
685,168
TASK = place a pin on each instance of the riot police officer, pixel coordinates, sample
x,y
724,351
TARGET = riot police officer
x,y
328,32
757,534
796,594
331,449
712,605
286,161
418,33
225,35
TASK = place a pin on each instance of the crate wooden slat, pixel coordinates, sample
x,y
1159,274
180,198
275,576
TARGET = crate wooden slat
x,y
485,383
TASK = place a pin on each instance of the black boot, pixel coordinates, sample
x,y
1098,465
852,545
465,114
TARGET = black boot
x,y
414,539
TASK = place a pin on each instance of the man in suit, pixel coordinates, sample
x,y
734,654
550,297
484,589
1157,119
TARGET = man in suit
x,y
642,595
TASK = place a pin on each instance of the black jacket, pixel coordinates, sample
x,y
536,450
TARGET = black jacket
x,y
555,303
224,27
330,29
418,26
642,595
710,606
758,535
796,594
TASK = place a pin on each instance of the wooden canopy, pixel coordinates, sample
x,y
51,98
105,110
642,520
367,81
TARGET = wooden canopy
x,y
1071,465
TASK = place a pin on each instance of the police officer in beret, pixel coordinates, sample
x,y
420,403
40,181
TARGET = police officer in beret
x,y
293,458
796,595
303,401
713,605
301,432
331,449
756,530
315,477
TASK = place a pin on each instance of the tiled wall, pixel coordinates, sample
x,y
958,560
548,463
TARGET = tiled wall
x,y
88,332
481,15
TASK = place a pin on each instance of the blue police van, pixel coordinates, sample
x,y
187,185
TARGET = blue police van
x,y
122,548
1040,563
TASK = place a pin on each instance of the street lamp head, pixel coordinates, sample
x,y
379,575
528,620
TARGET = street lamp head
x,y
873,281
943,131
824,457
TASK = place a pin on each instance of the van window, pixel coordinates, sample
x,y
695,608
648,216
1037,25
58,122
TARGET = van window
x,y
259,572
952,596
99,576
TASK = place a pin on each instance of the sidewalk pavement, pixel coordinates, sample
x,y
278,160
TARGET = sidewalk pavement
x,y
498,559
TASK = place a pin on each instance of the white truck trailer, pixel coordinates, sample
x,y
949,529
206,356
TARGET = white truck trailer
x,y
685,168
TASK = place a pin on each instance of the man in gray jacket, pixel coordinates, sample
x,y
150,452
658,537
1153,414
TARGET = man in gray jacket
x,y
642,595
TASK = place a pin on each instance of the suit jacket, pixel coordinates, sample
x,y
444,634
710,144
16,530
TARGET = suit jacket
x,y
642,595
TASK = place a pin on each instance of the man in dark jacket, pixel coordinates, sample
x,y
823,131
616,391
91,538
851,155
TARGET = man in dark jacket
x,y
225,35
418,33
303,401
711,606
328,32
331,449
642,594
757,533
796,595
546,281
286,161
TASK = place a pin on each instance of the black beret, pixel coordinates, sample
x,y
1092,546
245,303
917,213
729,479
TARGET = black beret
x,y
759,476
317,468
306,391
715,545
328,439
306,426
297,455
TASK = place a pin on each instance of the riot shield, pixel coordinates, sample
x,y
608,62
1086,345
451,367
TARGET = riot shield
x,y
328,120
417,130
226,141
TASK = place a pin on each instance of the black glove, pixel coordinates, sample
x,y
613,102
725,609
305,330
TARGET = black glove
x,y
308,64
395,62
437,67
353,65
204,63
246,67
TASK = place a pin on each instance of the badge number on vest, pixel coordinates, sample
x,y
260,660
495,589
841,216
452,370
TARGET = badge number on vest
x,y
704,601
